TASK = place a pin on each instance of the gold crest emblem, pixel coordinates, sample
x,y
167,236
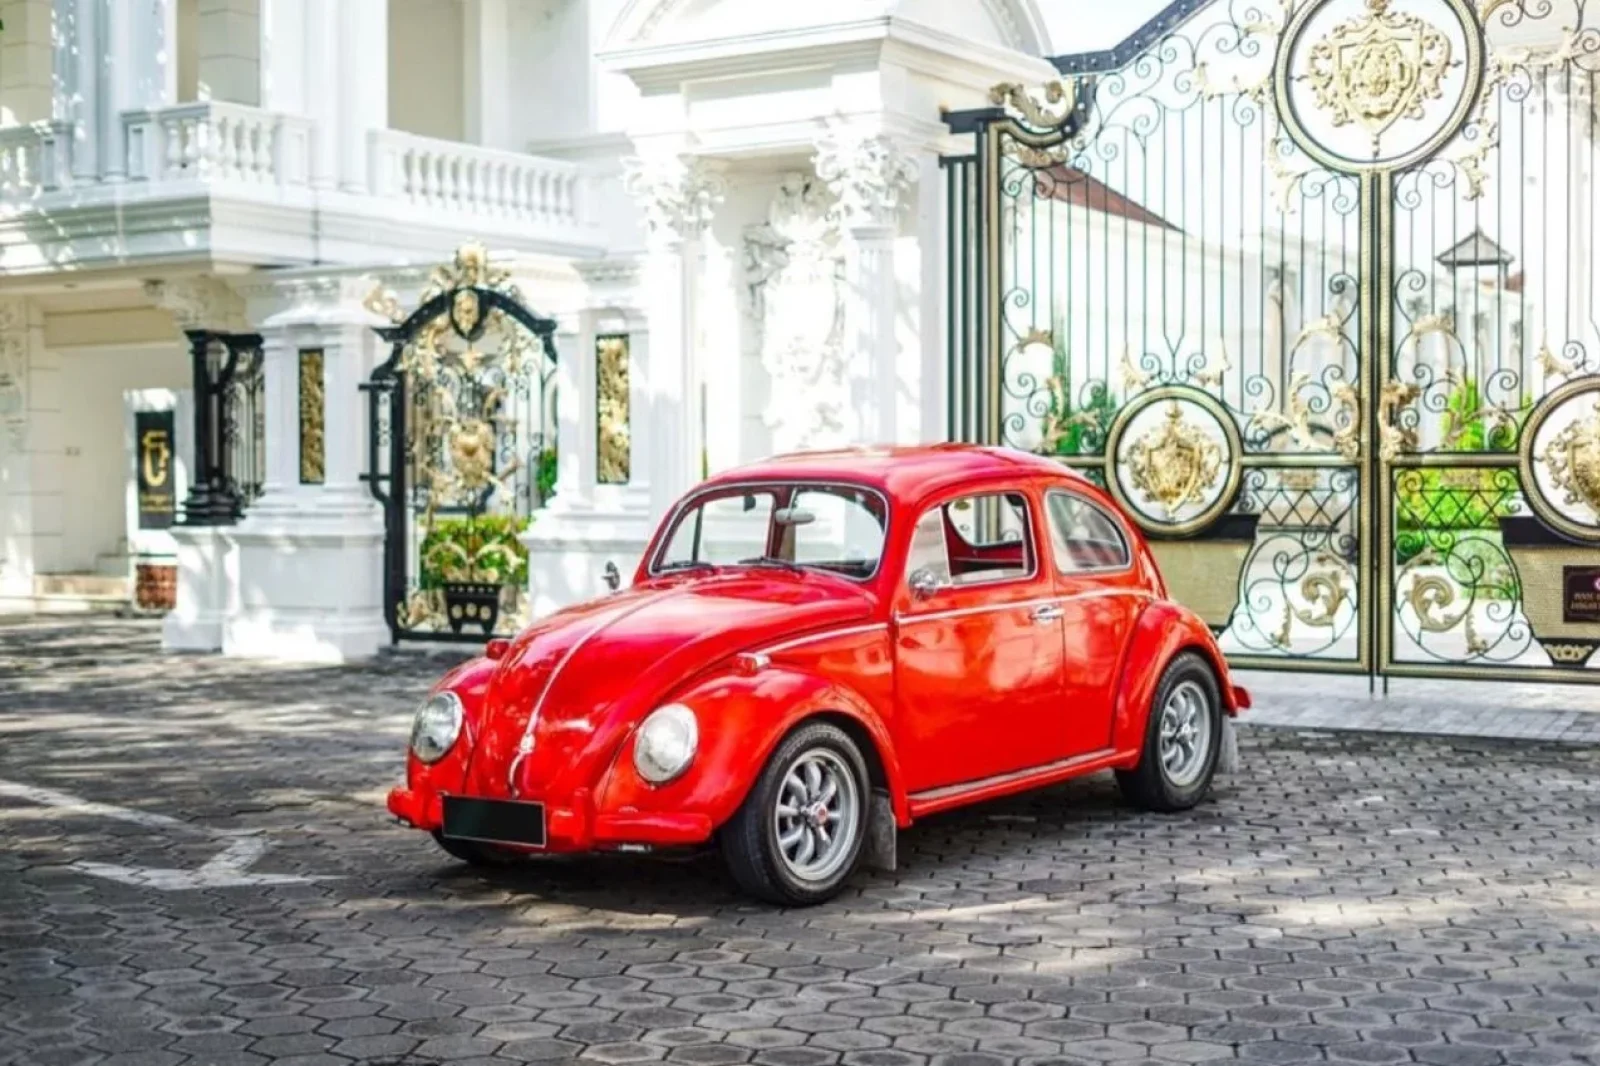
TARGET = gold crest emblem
x,y
1573,460
1378,69
1174,464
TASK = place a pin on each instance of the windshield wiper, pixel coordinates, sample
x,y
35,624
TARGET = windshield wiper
x,y
684,564
770,560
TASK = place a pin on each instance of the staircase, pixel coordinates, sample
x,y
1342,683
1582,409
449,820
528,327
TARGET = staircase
x,y
73,594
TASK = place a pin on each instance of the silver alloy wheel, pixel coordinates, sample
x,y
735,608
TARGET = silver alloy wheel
x,y
1185,737
817,815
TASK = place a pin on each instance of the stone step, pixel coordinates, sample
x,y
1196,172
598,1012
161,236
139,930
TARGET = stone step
x,y
89,587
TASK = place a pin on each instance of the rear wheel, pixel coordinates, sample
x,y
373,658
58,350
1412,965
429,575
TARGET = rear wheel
x,y
1182,740
798,834
475,854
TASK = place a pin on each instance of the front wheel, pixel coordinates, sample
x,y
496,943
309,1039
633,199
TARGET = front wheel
x,y
798,834
1182,740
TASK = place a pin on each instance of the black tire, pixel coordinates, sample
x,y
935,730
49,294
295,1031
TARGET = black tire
x,y
749,841
1150,784
475,854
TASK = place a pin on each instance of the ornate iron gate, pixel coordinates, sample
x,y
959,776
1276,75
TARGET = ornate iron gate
x,y
462,450
1310,287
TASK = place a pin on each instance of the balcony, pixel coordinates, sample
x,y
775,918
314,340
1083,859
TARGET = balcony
x,y
241,184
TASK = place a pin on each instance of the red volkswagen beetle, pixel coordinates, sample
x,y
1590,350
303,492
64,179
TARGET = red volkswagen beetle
x,y
816,651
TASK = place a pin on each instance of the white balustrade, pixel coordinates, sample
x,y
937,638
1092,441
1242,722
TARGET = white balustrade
x,y
215,141
34,159
450,176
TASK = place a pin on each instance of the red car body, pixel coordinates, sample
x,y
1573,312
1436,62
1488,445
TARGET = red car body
x,y
954,697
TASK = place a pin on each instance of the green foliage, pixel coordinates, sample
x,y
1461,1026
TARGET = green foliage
x,y
480,548
1070,429
545,478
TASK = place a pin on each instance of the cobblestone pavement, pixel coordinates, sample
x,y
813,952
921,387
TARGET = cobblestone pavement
x,y
1351,898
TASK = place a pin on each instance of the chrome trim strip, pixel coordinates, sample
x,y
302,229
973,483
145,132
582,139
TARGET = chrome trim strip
x,y
826,634
946,791
1018,605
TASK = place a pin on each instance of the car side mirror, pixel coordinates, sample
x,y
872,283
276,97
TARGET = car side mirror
x,y
924,583
611,576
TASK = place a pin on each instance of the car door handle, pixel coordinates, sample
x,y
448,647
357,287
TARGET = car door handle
x,y
1048,613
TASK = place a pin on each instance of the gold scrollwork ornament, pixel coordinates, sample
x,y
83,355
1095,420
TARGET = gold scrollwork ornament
x,y
1174,464
1377,69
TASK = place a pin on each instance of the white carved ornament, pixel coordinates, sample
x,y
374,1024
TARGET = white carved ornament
x,y
677,194
868,175
797,300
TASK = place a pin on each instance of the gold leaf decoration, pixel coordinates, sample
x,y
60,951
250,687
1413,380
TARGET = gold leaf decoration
x,y
1377,69
1174,463
313,413
614,445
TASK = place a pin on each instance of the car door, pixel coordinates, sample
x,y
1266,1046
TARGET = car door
x,y
1100,601
978,644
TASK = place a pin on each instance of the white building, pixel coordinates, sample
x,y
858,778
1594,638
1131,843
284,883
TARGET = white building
x,y
723,183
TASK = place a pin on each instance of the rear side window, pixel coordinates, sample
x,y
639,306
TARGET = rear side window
x,y
974,540
1083,537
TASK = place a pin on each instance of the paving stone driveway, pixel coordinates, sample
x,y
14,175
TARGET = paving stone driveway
x,y
1352,897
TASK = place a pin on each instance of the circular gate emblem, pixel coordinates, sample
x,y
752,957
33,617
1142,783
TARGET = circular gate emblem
x,y
1560,460
1377,84
1174,455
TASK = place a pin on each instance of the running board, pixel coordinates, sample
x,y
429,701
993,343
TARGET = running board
x,y
938,799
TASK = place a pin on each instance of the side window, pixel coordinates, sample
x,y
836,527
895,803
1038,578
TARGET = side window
x,y
974,540
1082,536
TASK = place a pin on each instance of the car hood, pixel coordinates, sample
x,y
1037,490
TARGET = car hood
x,y
584,675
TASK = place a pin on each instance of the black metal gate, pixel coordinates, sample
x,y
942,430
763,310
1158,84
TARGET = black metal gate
x,y
1311,288
462,451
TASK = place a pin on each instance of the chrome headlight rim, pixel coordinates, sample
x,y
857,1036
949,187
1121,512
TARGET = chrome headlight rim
x,y
436,727
666,743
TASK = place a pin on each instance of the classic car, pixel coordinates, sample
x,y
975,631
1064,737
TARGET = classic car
x,y
817,650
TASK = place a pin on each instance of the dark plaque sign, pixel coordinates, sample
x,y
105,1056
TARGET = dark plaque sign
x,y
154,445
1580,593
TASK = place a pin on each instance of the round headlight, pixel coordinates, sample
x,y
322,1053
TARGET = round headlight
x,y
665,744
437,725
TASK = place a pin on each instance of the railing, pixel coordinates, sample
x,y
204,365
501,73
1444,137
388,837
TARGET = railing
x,y
34,159
451,176
215,141
229,426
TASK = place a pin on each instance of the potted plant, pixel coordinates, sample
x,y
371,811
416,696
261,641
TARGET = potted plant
x,y
471,560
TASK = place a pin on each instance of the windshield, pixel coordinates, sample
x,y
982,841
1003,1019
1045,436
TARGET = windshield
x,y
837,528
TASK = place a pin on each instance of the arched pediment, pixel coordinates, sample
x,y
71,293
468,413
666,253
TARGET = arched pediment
x,y
1012,24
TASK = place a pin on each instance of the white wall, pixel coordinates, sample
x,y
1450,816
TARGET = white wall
x,y
95,465
427,82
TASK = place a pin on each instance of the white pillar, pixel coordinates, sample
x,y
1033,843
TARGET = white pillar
x,y
677,196
229,50
309,581
488,74
868,175
362,66
31,518
330,63
140,65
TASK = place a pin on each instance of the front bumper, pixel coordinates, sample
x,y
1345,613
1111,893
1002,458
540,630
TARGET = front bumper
x,y
573,825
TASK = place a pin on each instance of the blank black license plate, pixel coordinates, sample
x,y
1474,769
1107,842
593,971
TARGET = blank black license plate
x,y
494,821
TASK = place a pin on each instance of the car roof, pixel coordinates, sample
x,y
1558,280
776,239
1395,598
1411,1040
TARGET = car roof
x,y
907,474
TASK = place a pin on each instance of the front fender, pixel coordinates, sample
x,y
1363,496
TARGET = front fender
x,y
470,682
742,720
1164,630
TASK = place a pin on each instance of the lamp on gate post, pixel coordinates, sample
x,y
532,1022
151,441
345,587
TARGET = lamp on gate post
x,y
226,368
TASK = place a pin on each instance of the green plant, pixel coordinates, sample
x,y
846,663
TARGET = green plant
x,y
1070,428
545,477
480,548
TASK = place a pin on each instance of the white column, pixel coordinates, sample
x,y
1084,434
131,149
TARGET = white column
x,y
140,68
309,557
868,175
488,74
677,196
362,65
31,518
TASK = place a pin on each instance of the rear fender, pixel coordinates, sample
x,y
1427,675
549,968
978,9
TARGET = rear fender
x,y
1164,631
